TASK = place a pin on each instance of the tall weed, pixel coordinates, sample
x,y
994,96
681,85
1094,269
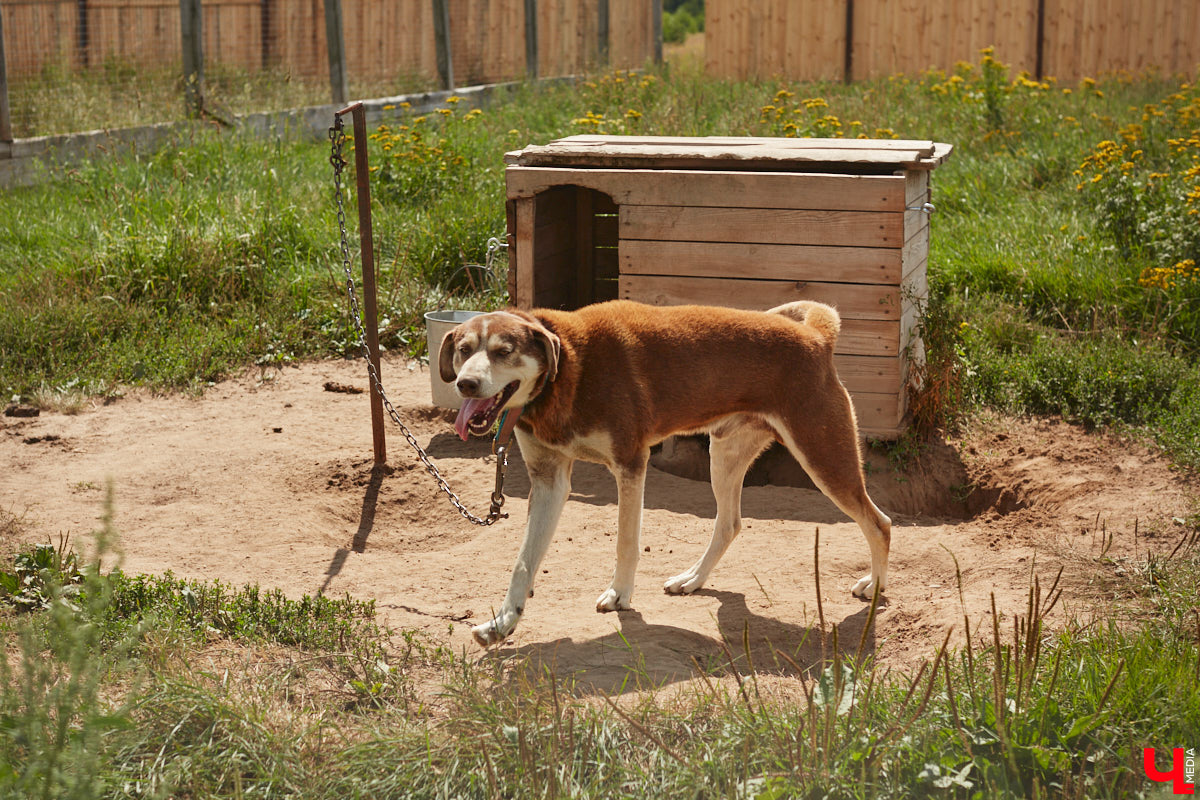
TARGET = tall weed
x,y
54,715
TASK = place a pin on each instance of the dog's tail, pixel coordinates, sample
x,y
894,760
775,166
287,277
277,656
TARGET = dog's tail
x,y
823,318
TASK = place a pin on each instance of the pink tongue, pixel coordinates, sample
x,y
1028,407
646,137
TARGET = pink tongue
x,y
470,407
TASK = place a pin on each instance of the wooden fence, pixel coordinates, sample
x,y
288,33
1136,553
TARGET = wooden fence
x,y
854,39
383,38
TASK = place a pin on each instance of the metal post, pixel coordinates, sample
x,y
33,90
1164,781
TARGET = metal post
x,y
441,35
362,173
192,34
6,134
335,43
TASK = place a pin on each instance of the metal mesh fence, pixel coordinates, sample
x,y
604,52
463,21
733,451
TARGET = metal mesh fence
x,y
81,64
85,64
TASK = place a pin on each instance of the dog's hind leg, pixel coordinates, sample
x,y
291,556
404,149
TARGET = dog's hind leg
x,y
731,452
631,492
550,483
826,445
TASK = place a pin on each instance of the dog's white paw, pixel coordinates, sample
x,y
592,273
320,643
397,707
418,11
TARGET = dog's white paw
x,y
865,587
487,634
496,631
683,583
612,600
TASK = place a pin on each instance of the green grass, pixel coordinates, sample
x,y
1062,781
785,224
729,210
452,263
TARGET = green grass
x,y
214,253
157,687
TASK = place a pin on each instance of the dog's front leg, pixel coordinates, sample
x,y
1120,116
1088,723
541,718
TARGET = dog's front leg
x,y
631,490
550,483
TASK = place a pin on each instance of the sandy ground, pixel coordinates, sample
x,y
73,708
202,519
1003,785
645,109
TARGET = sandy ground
x,y
270,482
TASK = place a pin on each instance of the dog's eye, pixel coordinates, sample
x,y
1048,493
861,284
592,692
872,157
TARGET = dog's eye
x,y
464,349
503,350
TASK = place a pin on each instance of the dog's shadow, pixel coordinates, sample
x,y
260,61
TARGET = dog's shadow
x,y
645,656
594,484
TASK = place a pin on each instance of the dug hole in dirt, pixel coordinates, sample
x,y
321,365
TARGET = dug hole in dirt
x,y
271,482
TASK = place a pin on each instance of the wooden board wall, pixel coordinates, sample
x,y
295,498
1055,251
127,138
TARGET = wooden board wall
x,y
384,38
487,41
1082,38
46,30
765,38
908,36
1087,39
631,33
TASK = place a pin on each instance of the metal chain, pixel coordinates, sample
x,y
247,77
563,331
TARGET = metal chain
x,y
337,138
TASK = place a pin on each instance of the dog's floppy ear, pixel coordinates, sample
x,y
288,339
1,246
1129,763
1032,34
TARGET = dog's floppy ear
x,y
553,347
446,358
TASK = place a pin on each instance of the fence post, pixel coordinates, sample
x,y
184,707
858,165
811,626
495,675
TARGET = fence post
x,y
82,33
656,26
1040,67
602,24
441,33
6,135
335,43
531,39
848,61
265,21
192,33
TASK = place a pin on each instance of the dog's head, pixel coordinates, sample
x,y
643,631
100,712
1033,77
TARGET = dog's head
x,y
496,361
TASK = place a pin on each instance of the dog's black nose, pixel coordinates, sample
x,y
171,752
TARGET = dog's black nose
x,y
468,387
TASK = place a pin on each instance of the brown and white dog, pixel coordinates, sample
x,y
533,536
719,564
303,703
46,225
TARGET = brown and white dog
x,y
608,381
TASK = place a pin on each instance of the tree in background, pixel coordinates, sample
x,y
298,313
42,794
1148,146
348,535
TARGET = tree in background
x,y
682,18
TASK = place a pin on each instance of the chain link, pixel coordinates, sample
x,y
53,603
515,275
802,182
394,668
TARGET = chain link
x,y
337,138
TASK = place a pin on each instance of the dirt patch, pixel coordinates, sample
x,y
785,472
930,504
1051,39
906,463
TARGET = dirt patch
x,y
273,483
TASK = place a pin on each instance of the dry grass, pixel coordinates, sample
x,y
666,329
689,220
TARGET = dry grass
x,y
686,55
12,533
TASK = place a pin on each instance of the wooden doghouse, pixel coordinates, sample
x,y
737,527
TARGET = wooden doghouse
x,y
743,222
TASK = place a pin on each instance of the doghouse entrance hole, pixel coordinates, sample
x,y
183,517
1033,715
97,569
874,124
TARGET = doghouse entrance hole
x,y
574,249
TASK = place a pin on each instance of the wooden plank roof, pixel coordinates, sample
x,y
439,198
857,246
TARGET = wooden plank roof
x,y
730,152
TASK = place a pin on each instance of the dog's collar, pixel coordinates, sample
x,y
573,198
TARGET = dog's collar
x,y
508,423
